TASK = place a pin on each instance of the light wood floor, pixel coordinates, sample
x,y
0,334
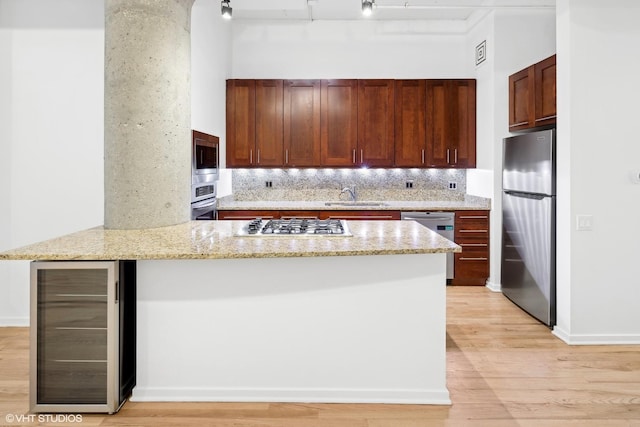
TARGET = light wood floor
x,y
504,369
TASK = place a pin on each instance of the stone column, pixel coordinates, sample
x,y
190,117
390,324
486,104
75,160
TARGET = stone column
x,y
147,103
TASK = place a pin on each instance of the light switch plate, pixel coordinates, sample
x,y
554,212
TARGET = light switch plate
x,y
584,222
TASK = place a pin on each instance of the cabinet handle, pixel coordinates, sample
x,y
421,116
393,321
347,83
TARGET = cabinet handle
x,y
473,217
286,156
472,231
455,156
258,156
354,156
251,156
361,156
423,156
471,259
117,291
447,156
546,118
475,245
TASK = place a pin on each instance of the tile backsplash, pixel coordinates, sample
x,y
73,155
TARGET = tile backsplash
x,y
370,184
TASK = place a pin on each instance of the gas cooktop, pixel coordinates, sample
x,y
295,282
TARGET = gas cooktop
x,y
296,227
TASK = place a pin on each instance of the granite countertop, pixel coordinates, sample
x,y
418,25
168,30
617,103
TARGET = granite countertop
x,y
468,203
218,239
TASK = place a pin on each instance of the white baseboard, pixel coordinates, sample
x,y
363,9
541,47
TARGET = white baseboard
x,y
592,339
413,397
494,287
14,322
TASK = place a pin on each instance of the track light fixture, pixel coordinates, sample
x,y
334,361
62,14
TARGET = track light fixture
x,y
226,9
367,7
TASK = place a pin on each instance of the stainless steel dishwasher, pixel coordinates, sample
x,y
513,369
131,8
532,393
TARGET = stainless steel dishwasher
x,y
440,222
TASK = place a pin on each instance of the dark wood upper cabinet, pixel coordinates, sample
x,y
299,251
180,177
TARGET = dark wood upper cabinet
x,y
410,123
338,122
241,122
353,123
375,123
545,91
301,123
269,125
532,96
451,123
254,123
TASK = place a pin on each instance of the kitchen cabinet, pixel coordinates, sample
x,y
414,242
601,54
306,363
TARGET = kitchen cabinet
x,y
360,215
338,122
471,266
254,123
83,335
451,123
241,122
410,123
545,92
375,123
265,214
301,123
532,96
321,214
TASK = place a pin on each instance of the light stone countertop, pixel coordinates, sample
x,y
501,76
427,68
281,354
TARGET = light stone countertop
x,y
218,240
469,203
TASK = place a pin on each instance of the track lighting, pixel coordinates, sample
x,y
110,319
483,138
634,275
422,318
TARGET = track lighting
x,y
226,9
367,7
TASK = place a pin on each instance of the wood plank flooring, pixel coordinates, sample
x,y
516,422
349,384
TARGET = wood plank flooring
x,y
504,369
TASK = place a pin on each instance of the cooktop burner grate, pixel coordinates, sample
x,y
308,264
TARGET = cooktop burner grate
x,y
297,227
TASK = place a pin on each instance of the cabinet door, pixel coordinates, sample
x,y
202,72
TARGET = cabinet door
x,y
410,126
521,99
375,123
451,123
545,91
269,125
338,122
241,122
301,123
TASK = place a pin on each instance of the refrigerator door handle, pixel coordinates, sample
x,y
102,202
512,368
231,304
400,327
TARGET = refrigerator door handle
x,y
535,196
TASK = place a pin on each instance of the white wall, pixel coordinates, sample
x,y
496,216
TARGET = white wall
x,y
210,68
598,271
51,133
51,121
346,49
515,40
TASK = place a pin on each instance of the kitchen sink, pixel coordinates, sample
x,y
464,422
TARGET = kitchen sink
x,y
355,204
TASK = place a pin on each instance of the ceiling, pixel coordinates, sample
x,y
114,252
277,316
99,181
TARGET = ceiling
x,y
457,11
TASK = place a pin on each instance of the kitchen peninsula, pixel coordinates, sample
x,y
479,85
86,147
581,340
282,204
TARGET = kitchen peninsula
x,y
298,319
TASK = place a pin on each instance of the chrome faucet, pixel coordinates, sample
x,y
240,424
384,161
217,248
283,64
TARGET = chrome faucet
x,y
351,191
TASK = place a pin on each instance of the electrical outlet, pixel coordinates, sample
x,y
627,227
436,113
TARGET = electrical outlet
x,y
408,184
268,184
453,185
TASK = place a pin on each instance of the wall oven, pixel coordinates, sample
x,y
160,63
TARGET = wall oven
x,y
204,210
204,175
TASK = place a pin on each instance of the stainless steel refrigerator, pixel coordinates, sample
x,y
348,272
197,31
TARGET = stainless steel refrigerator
x,y
529,223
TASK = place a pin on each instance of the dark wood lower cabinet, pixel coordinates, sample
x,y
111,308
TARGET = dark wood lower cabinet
x,y
471,267
83,335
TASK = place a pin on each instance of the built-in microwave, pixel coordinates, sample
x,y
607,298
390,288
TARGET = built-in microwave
x,y
206,157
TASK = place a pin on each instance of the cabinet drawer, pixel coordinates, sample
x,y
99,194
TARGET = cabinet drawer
x,y
471,266
361,215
